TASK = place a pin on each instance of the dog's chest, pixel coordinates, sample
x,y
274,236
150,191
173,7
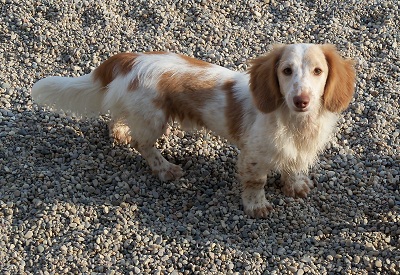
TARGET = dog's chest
x,y
284,146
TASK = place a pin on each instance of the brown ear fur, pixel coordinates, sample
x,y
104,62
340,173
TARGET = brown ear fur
x,y
264,84
339,87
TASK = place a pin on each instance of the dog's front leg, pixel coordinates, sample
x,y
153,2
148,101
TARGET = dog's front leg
x,y
296,184
253,179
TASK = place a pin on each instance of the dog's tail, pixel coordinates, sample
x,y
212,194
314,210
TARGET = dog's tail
x,y
81,96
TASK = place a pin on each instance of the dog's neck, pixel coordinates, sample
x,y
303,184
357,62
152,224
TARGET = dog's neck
x,y
300,122
307,130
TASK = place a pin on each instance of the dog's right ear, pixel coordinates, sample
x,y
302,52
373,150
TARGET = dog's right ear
x,y
264,84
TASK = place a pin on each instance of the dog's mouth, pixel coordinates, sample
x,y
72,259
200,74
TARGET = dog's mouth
x,y
301,110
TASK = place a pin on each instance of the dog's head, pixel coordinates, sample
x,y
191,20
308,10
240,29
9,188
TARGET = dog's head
x,y
304,77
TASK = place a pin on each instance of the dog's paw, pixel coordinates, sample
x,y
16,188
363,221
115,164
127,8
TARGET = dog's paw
x,y
259,211
170,172
255,204
120,133
297,187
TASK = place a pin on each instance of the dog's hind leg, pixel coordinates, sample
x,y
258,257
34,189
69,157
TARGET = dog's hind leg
x,y
119,131
143,137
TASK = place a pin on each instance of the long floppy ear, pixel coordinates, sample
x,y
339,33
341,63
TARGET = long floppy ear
x,y
340,84
264,84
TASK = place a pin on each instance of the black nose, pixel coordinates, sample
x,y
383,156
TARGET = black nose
x,y
301,101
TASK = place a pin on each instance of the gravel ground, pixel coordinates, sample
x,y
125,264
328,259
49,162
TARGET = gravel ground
x,y
72,202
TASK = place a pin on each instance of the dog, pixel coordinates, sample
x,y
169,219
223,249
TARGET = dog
x,y
280,113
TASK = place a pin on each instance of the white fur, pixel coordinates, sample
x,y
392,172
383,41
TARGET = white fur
x,y
80,95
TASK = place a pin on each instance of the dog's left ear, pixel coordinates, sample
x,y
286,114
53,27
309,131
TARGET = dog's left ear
x,y
264,84
340,84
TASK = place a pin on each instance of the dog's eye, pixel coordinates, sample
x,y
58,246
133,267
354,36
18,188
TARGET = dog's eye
x,y
287,71
317,71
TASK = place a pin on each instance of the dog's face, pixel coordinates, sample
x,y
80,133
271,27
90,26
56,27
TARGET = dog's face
x,y
304,77
302,72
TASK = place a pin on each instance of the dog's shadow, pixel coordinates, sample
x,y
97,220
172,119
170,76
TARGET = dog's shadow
x,y
79,156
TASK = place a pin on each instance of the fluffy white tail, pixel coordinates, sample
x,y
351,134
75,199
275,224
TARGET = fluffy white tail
x,y
81,96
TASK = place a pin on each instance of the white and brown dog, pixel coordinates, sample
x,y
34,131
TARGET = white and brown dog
x,y
280,113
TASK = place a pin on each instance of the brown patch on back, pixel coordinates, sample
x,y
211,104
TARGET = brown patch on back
x,y
339,87
264,84
121,63
192,61
182,96
233,112
195,62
